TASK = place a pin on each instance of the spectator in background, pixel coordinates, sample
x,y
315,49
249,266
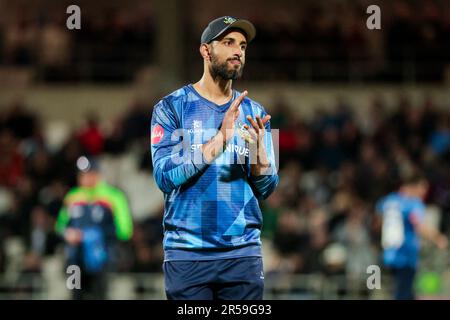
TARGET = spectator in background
x,y
11,160
115,142
350,138
20,121
52,195
91,137
41,240
39,168
290,240
55,49
135,123
19,41
93,217
354,233
330,153
148,254
64,160
439,142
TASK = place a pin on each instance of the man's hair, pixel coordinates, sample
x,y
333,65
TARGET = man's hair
x,y
414,178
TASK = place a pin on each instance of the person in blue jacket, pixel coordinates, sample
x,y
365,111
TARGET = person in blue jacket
x,y
402,214
213,158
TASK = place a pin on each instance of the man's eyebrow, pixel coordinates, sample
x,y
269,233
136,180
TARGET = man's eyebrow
x,y
233,39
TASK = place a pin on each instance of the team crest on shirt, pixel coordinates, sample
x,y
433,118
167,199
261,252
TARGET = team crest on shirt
x,y
244,133
157,134
196,127
196,124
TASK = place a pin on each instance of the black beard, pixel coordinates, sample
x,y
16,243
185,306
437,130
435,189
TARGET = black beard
x,y
221,71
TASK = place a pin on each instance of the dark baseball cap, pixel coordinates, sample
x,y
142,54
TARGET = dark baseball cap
x,y
86,164
218,26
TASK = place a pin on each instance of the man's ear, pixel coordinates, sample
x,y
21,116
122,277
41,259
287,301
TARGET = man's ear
x,y
204,51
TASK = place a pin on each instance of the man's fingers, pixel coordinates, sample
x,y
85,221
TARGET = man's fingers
x,y
250,130
266,119
253,136
253,123
253,133
260,123
238,100
236,114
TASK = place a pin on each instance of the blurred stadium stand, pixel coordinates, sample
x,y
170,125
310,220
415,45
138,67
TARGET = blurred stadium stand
x,y
355,108
309,41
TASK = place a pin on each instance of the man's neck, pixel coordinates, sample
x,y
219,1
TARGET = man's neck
x,y
218,91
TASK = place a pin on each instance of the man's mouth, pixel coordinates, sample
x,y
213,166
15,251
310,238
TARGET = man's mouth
x,y
235,62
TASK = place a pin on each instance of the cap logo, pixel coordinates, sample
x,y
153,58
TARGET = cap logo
x,y
229,20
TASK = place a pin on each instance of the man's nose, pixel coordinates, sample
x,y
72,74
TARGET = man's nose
x,y
238,52
237,56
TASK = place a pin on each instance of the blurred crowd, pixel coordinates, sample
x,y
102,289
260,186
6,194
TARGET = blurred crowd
x,y
330,41
112,44
336,167
314,41
333,169
34,180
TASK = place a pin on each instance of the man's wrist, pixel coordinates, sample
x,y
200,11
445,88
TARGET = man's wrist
x,y
222,137
214,147
260,169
